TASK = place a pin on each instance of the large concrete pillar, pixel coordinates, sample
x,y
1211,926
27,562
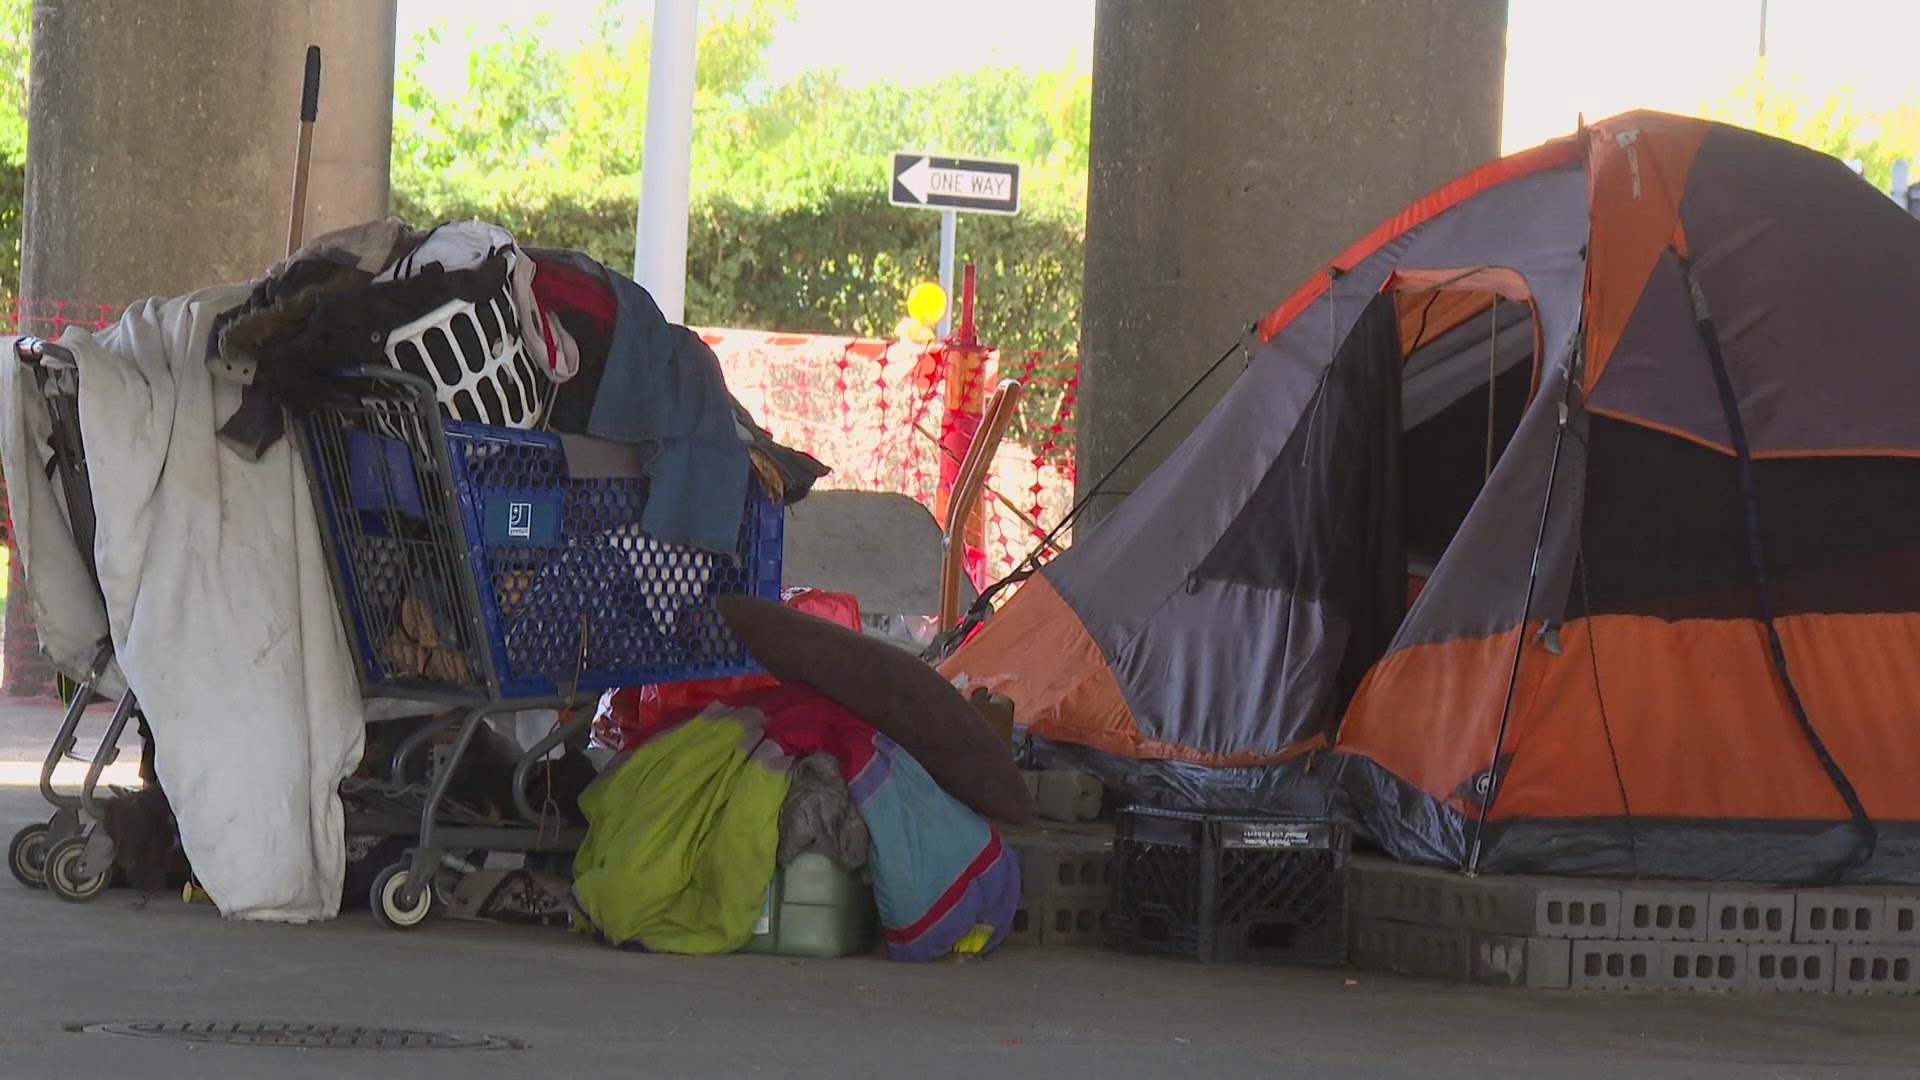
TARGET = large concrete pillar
x,y
160,138
1237,146
160,148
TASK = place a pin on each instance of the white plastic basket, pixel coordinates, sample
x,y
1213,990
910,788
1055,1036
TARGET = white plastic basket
x,y
473,355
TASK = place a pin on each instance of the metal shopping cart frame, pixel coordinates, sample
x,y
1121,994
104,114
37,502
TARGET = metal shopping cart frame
x,y
70,855
413,552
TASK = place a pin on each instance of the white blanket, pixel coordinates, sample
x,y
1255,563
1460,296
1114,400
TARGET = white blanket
x,y
219,604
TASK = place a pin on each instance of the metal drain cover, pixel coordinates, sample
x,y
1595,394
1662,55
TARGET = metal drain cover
x,y
302,1036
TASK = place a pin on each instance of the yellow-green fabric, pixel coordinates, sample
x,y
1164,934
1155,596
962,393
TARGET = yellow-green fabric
x,y
681,839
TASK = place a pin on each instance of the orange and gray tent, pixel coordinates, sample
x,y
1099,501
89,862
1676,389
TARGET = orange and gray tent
x,y
1568,523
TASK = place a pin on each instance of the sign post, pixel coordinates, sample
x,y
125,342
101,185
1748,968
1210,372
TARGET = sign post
x,y
952,185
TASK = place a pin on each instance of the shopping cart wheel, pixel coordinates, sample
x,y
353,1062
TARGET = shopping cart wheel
x,y
66,868
27,856
385,899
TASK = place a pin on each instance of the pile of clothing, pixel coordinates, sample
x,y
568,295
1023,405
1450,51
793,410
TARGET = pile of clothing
x,y
686,831
524,337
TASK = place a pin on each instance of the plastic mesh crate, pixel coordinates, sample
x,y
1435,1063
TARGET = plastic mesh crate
x,y
1229,886
469,561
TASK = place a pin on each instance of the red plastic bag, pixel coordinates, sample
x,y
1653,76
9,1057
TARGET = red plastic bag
x,y
630,715
835,607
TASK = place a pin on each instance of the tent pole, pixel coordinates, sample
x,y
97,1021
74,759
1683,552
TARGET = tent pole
x,y
1526,613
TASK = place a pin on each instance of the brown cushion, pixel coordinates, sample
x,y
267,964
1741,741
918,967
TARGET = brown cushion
x,y
902,698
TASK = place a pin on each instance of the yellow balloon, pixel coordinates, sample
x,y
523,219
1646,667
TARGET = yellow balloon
x,y
912,329
927,302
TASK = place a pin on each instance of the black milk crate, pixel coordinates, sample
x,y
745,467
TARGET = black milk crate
x,y
1214,886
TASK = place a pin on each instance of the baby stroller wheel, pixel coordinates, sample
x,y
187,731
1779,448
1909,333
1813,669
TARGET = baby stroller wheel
x,y
27,856
387,902
66,868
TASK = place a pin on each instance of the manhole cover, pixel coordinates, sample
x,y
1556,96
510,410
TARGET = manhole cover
x,y
314,1036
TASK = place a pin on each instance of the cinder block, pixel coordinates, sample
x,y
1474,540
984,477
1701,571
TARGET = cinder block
x,y
1031,778
1750,915
1068,795
1061,865
1576,913
1533,907
1513,906
1876,969
1412,949
1902,925
1784,966
1824,916
1704,965
1534,962
1663,914
1617,965
1408,894
1025,929
1074,920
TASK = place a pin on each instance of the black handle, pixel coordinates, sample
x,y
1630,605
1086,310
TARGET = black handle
x,y
310,90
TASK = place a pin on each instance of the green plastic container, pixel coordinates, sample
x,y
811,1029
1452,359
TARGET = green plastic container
x,y
815,909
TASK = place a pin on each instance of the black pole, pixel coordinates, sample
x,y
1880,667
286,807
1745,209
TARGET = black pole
x,y
1526,612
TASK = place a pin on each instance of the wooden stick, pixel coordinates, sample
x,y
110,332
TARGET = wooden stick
x,y
303,155
966,492
990,490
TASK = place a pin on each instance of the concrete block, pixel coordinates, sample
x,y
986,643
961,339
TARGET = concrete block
x,y
1514,906
1784,966
1750,915
1576,913
1617,965
1657,914
1074,920
1412,949
1536,963
1876,969
1068,795
1031,778
1025,929
1902,921
1704,965
1833,916
1064,865
1408,894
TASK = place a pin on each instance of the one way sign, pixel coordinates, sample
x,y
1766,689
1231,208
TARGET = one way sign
x,y
944,183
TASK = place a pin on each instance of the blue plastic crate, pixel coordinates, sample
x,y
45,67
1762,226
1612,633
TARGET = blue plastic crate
x,y
573,595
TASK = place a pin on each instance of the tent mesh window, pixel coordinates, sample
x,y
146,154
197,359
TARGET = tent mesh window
x,y
1230,887
1664,530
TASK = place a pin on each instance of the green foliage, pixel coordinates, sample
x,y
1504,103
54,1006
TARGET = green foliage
x,y
790,228
1837,124
15,36
839,264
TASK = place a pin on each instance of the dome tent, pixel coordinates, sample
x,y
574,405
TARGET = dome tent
x,y
1568,518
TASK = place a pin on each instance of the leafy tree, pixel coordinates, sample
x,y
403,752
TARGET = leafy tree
x,y
790,227
1836,124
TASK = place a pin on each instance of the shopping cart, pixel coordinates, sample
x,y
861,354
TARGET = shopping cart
x,y
70,855
474,573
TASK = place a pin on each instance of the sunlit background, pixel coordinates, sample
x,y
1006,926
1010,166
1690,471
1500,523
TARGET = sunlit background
x,y
1564,57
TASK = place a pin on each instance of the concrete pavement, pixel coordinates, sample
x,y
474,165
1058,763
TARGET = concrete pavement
x,y
582,1010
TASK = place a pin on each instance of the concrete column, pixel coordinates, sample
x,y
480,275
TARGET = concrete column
x,y
1237,145
160,147
160,138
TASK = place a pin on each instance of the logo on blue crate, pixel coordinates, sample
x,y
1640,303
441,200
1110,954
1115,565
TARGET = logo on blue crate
x,y
523,520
